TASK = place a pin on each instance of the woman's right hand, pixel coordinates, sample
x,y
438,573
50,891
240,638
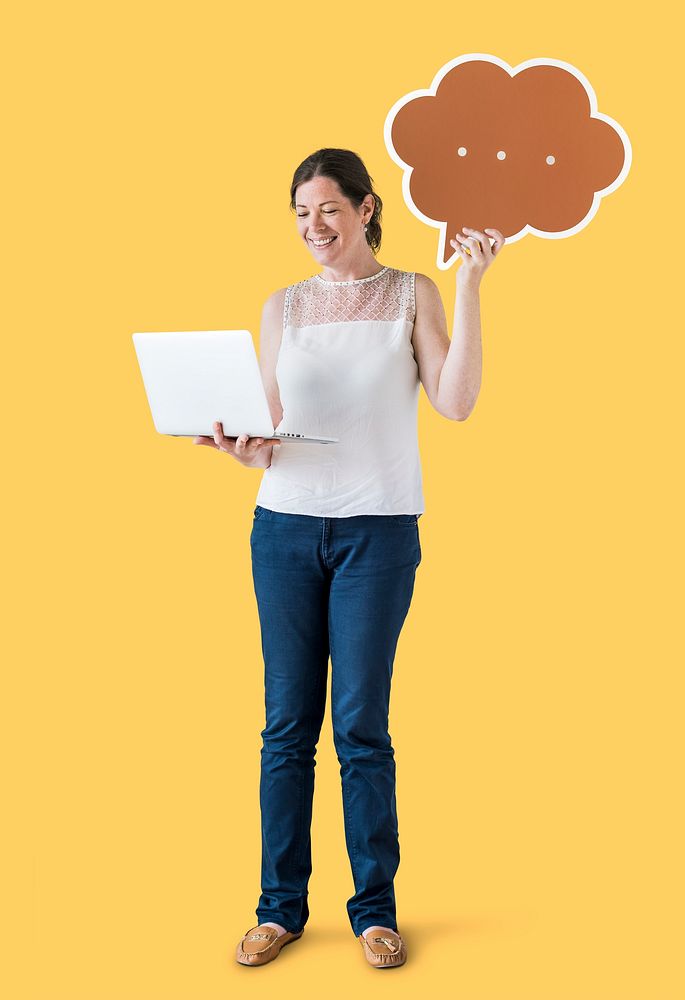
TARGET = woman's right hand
x,y
252,452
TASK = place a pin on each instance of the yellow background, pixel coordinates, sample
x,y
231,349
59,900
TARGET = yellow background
x,y
537,697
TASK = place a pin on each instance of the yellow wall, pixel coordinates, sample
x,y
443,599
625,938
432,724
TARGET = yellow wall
x,y
536,708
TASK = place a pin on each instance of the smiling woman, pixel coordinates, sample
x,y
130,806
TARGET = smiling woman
x,y
335,549
335,543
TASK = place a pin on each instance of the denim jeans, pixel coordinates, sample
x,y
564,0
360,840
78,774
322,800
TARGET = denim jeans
x,y
338,587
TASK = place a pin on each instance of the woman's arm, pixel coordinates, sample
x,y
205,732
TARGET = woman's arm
x,y
271,332
460,378
451,370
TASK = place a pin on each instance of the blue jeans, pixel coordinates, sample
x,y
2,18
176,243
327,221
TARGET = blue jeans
x,y
338,586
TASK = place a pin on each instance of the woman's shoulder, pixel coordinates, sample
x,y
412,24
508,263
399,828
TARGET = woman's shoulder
x,y
424,280
422,283
427,292
273,313
278,298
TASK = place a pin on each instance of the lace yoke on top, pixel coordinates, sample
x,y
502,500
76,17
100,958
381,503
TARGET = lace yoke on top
x,y
388,296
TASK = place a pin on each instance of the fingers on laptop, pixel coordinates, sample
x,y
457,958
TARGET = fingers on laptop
x,y
245,442
235,446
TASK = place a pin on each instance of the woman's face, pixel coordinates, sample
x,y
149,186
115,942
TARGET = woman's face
x,y
324,213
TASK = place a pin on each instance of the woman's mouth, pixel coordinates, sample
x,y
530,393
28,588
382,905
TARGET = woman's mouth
x,y
322,246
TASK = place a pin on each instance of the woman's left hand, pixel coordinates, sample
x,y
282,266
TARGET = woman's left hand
x,y
481,255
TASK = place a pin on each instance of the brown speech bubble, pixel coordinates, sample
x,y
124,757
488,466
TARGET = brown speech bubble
x,y
520,149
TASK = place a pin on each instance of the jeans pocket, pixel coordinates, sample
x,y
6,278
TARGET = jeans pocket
x,y
258,511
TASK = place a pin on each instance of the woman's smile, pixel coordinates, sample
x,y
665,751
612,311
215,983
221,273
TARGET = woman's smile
x,y
322,246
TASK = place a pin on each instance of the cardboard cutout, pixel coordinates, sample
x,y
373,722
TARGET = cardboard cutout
x,y
522,150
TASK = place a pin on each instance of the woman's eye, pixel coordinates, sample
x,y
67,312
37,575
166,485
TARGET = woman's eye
x,y
330,211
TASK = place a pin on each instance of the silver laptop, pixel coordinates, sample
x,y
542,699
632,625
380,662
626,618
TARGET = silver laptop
x,y
193,378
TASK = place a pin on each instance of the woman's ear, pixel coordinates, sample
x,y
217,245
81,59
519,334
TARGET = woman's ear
x,y
370,203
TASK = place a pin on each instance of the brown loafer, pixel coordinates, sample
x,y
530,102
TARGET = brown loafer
x,y
262,944
384,949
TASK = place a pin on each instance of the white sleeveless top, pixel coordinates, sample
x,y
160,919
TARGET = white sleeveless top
x,y
346,369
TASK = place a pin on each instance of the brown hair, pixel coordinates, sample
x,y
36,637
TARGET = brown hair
x,y
352,177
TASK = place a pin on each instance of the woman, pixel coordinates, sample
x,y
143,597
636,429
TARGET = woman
x,y
335,538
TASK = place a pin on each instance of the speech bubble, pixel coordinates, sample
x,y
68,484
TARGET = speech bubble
x,y
522,150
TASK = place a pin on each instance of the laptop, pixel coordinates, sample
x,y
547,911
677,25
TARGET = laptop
x,y
193,378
